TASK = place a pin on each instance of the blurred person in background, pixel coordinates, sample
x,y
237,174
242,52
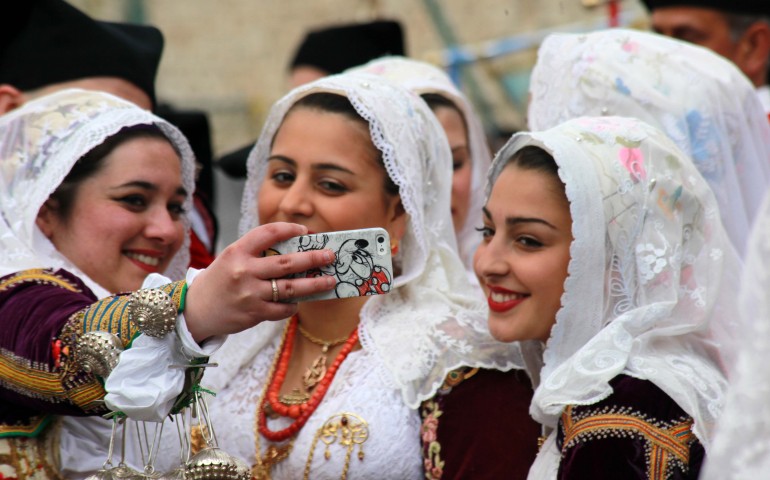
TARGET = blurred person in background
x,y
739,30
327,51
698,98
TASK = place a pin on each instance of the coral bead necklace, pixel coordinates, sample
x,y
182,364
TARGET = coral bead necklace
x,y
300,412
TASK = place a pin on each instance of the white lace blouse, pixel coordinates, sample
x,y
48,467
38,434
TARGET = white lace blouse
x,y
391,449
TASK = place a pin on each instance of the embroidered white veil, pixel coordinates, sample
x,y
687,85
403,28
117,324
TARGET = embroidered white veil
x,y
702,101
650,290
431,322
420,78
742,442
39,144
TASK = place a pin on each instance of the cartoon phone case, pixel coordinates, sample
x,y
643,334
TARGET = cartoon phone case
x,y
363,264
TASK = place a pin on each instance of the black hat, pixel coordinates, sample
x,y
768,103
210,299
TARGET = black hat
x,y
59,43
338,48
194,124
740,7
234,163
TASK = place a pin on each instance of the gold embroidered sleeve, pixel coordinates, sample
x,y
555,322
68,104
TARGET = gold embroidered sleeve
x,y
111,318
666,444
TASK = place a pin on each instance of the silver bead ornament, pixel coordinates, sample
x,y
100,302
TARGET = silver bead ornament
x,y
211,463
152,312
97,352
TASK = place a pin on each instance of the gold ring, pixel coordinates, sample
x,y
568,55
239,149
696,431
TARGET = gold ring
x,y
275,289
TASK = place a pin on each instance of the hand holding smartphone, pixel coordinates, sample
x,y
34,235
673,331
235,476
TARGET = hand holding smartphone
x,y
363,265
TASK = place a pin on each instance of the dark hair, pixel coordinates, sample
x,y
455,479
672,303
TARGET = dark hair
x,y
89,164
334,103
436,100
738,24
538,160
535,158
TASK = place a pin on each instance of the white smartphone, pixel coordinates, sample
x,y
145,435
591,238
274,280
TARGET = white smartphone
x,y
363,264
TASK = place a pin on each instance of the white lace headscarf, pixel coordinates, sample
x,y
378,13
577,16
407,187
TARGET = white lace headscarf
x,y
701,100
742,442
651,279
422,78
431,322
39,144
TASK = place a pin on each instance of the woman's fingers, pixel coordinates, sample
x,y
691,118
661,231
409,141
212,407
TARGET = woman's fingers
x,y
278,266
289,289
241,288
259,239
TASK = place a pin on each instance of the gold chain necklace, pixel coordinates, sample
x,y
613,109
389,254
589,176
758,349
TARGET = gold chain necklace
x,y
318,368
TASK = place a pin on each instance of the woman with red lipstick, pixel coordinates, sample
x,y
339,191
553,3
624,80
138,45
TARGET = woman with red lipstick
x,y
346,152
93,195
605,258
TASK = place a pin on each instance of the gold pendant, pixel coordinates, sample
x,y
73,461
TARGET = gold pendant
x,y
315,373
294,398
347,430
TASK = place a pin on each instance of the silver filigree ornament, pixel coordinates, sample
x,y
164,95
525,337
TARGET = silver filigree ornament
x,y
152,312
98,352
211,463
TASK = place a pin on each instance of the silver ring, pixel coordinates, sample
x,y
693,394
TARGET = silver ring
x,y
275,289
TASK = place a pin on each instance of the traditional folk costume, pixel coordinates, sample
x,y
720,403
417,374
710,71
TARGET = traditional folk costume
x,y
635,364
741,447
367,423
702,101
61,332
459,423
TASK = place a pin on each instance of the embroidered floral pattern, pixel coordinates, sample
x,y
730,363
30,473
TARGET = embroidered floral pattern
x,y
651,261
431,412
633,160
434,465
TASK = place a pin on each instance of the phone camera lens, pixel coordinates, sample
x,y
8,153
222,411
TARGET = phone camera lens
x,y
380,239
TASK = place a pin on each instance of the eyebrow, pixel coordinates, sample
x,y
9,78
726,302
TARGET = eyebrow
x,y
147,186
513,221
316,166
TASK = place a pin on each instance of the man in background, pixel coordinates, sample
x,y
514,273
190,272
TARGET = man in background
x,y
739,30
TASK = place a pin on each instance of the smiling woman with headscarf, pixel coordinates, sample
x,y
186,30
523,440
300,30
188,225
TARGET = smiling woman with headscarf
x,y
605,258
93,195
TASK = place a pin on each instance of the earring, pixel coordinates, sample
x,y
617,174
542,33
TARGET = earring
x,y
393,247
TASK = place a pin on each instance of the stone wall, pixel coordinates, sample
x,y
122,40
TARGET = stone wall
x,y
229,57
